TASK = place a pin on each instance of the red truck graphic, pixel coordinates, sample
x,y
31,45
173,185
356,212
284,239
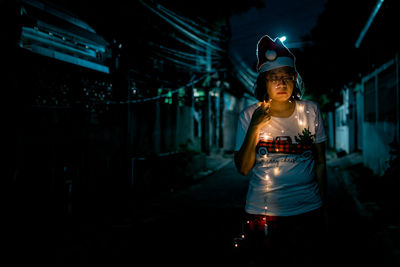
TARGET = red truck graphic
x,y
281,144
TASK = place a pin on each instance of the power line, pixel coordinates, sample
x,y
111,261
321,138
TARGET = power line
x,y
182,29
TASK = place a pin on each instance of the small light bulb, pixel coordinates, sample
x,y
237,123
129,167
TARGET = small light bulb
x,y
276,171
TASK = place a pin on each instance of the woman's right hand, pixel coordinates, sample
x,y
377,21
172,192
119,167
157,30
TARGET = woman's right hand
x,y
261,115
245,158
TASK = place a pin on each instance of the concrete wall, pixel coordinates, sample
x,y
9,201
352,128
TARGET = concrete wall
x,y
359,116
377,135
376,139
233,106
330,126
341,130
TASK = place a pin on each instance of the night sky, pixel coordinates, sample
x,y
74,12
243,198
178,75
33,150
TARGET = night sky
x,y
291,18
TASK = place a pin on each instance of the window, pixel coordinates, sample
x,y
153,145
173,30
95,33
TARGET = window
x,y
387,94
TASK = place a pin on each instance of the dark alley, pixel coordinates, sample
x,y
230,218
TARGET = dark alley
x,y
210,133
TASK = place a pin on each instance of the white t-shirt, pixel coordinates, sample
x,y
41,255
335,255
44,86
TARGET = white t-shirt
x,y
282,181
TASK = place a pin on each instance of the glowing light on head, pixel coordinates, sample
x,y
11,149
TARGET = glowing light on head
x,y
265,207
282,39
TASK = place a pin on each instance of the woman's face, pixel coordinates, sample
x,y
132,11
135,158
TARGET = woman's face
x,y
280,83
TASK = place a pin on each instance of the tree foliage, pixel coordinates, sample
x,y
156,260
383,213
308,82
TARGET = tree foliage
x,y
331,60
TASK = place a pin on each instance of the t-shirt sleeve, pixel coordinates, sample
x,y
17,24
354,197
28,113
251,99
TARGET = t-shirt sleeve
x,y
320,135
242,126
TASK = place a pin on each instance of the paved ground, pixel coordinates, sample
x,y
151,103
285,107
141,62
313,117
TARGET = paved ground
x,y
376,201
196,225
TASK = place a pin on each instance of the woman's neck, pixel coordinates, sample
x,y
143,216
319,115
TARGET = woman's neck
x,y
282,109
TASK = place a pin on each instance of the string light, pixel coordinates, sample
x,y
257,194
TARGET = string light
x,y
238,240
302,121
102,100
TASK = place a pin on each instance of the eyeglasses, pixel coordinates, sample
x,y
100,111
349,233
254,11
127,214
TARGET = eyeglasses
x,y
276,80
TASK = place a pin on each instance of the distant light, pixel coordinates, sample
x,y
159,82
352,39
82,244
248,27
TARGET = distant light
x,y
283,38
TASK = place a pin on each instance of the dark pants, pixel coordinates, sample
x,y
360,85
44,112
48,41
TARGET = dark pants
x,y
291,240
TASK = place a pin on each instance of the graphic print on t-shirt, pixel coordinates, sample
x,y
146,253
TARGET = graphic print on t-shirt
x,y
284,144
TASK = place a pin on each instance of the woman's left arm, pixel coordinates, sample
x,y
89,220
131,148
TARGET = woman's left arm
x,y
320,163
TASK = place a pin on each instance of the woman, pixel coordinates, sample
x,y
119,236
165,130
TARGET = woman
x,y
280,144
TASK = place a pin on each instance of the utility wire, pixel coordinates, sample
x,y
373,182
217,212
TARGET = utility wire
x,y
182,29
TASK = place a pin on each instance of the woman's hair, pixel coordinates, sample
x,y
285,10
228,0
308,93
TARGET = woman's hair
x,y
260,87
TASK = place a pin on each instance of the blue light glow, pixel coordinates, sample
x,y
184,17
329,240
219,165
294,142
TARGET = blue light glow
x,y
283,38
